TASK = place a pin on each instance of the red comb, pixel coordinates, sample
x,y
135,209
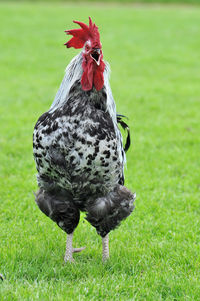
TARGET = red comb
x,y
83,34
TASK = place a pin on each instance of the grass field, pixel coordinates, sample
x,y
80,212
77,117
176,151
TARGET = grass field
x,y
154,2
155,60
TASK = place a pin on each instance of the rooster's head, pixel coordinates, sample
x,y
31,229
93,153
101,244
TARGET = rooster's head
x,y
88,38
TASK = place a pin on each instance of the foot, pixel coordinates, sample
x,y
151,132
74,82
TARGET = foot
x,y
69,259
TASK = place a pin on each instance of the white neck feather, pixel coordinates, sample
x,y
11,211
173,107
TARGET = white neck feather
x,y
74,72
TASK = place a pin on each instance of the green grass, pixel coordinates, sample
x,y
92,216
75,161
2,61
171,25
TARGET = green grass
x,y
155,60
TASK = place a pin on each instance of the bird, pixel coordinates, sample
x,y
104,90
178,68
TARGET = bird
x,y
78,147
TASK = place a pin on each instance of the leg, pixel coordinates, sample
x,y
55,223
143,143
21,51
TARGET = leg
x,y
105,248
59,206
106,213
70,250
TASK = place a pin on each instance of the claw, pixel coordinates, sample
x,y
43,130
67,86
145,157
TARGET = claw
x,y
77,250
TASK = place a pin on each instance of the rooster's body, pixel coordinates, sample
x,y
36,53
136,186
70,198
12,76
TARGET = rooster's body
x,y
80,157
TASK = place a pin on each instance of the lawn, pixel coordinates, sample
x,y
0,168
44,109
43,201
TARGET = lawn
x,y
155,61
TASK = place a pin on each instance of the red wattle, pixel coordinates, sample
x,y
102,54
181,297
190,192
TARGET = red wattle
x,y
98,80
87,77
98,76
92,75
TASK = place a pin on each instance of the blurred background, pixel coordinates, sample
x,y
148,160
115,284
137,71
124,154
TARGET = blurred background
x,y
109,1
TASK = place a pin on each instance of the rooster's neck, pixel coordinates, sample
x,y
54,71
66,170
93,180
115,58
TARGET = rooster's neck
x,y
91,98
73,74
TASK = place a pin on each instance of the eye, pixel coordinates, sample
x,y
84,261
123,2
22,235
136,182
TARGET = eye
x,y
87,47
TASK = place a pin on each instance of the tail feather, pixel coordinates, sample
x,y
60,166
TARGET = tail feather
x,y
125,127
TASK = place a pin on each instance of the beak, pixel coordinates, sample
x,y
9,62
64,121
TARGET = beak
x,y
96,55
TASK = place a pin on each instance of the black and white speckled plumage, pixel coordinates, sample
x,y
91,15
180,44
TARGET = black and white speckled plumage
x,y
80,158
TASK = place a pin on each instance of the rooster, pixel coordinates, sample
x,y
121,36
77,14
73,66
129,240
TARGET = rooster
x,y
78,148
